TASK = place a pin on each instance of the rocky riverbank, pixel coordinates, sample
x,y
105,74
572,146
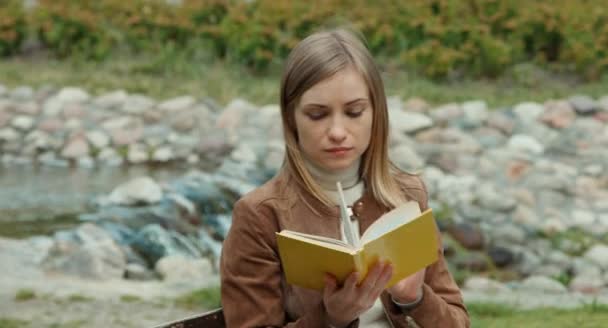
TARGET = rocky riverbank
x,y
520,193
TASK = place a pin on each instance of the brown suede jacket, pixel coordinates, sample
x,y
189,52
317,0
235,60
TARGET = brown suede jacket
x,y
254,291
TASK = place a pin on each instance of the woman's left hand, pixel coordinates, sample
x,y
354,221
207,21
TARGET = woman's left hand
x,y
408,289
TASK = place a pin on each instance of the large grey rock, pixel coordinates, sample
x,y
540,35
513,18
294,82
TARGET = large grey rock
x,y
111,100
178,268
139,190
98,139
526,144
23,122
72,95
475,113
528,111
584,105
90,253
177,104
543,285
486,285
406,122
598,254
137,104
406,158
75,148
22,93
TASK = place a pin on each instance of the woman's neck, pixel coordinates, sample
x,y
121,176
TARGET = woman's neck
x,y
348,177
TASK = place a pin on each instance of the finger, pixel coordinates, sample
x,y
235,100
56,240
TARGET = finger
x,y
372,276
330,286
383,279
351,281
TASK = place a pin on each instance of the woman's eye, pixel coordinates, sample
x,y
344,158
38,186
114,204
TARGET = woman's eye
x,y
316,115
355,112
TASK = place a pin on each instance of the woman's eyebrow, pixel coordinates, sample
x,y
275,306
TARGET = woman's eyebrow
x,y
356,101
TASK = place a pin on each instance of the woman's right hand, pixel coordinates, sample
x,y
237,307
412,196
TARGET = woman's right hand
x,y
345,304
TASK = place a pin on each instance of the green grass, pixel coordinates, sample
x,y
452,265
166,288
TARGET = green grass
x,y
130,298
13,323
206,298
169,75
497,316
24,295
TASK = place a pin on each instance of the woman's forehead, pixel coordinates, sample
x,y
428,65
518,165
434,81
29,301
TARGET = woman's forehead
x,y
346,86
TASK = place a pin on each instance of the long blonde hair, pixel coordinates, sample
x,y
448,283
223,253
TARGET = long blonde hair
x,y
314,59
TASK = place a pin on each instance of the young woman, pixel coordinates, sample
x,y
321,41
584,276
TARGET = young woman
x,y
335,123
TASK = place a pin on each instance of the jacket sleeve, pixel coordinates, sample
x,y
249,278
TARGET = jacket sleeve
x,y
250,271
442,304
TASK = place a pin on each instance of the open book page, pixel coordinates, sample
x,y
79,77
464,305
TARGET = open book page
x,y
347,225
319,240
391,220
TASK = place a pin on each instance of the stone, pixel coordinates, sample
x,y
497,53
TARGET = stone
x,y
177,104
111,100
484,284
75,148
526,144
446,113
598,254
5,119
92,253
85,162
52,107
30,108
543,285
71,111
163,154
98,139
475,113
51,125
467,235
3,90
526,216
137,153
509,233
23,122
558,114
136,271
586,284
500,121
582,218
406,158
22,93
244,153
137,104
407,123
501,256
9,134
471,261
583,105
72,95
142,190
416,104
126,136
178,268
528,111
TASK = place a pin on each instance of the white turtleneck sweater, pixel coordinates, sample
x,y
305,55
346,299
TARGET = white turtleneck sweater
x,y
353,188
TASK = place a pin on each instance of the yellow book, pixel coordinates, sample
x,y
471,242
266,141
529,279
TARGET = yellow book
x,y
404,236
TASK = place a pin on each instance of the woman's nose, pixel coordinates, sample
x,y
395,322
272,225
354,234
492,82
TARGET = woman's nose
x,y
337,131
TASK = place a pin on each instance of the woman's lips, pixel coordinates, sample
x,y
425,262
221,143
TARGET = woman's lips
x,y
339,151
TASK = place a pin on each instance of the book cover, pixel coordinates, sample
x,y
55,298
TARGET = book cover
x,y
403,236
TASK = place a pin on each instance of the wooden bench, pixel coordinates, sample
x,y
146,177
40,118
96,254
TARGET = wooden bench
x,y
211,319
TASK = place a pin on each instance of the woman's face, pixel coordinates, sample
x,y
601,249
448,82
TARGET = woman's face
x,y
334,120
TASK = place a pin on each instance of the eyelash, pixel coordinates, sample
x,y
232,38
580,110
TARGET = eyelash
x,y
351,114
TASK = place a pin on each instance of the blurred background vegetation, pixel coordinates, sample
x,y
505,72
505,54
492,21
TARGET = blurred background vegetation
x,y
525,49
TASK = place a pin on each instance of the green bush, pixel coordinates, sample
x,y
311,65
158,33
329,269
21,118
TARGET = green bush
x,y
438,37
12,26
